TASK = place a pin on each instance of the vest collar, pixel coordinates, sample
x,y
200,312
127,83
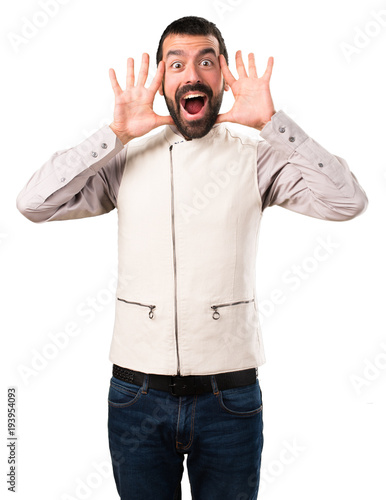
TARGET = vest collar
x,y
173,136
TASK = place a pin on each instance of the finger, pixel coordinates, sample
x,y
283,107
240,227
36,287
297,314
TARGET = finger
x,y
130,73
252,65
229,78
144,70
242,72
157,80
268,71
114,82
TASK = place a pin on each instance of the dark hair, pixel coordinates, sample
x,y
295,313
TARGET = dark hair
x,y
192,25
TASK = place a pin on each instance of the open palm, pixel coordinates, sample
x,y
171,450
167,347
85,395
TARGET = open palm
x,y
133,111
253,104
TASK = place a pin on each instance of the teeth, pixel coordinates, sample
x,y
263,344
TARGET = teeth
x,y
192,96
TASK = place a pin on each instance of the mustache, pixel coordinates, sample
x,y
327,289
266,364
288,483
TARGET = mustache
x,y
198,87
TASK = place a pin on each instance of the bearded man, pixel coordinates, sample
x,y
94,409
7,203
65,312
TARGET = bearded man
x,y
187,343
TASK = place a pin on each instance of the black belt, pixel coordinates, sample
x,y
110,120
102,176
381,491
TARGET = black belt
x,y
188,384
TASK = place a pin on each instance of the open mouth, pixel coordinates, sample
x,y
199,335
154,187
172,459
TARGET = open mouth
x,y
194,104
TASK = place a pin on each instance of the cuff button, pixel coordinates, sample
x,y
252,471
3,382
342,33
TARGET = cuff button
x,y
320,165
94,154
104,145
291,139
282,130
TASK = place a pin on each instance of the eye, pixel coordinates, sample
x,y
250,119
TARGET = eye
x,y
176,65
206,62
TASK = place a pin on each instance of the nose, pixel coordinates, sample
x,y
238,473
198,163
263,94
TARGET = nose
x,y
191,74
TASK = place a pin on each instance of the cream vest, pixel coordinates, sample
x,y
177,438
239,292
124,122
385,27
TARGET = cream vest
x,y
189,215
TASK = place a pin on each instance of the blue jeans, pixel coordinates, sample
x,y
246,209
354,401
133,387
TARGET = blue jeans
x,y
150,431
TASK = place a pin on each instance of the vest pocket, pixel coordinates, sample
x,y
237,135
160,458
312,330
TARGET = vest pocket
x,y
151,314
216,314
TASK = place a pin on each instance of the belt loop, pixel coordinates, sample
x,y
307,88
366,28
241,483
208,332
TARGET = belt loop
x,y
214,385
145,384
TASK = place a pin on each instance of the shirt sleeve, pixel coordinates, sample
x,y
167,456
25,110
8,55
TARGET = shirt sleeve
x,y
297,173
78,182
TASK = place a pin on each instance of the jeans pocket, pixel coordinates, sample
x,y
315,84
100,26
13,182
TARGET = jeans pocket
x,y
123,394
242,401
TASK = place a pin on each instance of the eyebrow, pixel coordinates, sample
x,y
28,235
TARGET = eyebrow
x,y
202,52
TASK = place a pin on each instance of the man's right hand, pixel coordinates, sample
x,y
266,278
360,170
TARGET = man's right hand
x,y
133,110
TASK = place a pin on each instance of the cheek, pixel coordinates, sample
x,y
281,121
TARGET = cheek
x,y
170,86
218,84
214,83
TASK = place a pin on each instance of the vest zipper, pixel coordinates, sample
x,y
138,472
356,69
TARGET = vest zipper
x,y
216,314
174,258
151,314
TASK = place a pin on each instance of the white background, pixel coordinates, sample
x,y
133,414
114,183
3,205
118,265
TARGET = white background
x,y
322,337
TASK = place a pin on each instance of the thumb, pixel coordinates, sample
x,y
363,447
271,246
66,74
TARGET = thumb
x,y
224,117
164,120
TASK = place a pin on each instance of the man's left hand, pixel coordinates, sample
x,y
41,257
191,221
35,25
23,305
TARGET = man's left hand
x,y
253,104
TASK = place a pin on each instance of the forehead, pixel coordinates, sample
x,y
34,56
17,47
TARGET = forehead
x,y
189,44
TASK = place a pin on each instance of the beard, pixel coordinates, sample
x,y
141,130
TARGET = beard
x,y
194,129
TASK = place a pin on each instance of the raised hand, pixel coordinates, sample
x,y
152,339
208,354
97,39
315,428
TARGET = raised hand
x,y
253,104
133,111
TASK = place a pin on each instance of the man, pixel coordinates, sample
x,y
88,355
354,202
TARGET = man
x,y
187,342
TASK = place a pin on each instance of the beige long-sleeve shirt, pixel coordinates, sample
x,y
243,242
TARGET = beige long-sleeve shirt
x,y
293,171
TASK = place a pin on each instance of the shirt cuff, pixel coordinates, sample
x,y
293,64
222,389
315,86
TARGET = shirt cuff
x,y
86,159
284,135
92,153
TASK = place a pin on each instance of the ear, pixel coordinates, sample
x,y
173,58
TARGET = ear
x,y
226,86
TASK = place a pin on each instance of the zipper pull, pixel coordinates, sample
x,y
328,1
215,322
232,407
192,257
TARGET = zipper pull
x,y
151,314
216,314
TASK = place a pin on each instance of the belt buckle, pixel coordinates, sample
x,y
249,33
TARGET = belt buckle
x,y
178,385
